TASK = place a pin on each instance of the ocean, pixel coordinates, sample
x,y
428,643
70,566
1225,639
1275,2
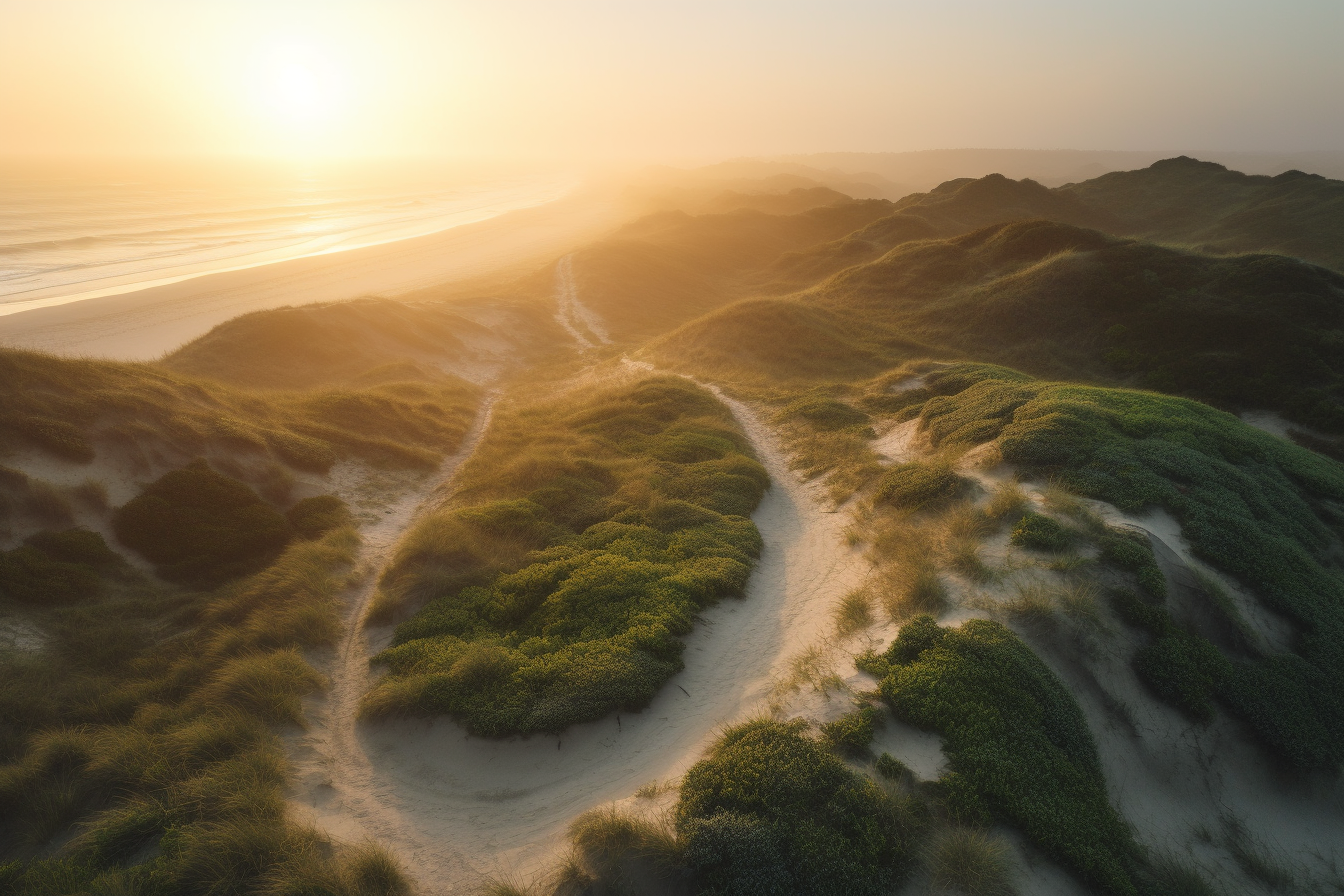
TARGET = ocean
x,y
70,232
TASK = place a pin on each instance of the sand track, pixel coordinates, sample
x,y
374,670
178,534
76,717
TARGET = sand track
x,y
459,810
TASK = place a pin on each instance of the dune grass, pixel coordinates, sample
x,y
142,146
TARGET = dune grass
x,y
76,409
1256,507
587,531
137,752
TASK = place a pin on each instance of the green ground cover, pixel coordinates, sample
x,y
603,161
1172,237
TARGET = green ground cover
x,y
137,750
588,530
1017,745
772,810
1259,508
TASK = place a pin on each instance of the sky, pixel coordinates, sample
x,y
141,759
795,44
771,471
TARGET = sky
x,y
666,81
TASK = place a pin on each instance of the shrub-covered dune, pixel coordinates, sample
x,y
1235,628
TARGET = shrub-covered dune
x,y
1263,510
586,533
1243,332
137,750
76,409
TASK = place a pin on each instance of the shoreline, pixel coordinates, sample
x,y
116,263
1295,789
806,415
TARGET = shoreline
x,y
147,323
332,244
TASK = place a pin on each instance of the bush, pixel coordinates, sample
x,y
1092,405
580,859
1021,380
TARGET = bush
x,y
563,597
921,486
773,811
1040,533
971,863
853,732
1016,743
1257,507
200,528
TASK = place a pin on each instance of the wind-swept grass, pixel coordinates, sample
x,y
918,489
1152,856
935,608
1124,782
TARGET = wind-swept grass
x,y
143,729
77,409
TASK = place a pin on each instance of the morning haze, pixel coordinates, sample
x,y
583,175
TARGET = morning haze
x,y
703,449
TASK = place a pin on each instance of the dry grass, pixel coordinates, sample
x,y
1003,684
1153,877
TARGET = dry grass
x,y
854,613
970,862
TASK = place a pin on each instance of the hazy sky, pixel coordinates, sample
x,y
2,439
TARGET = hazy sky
x,y
672,80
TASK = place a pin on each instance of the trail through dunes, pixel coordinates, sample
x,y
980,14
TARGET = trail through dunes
x,y
580,322
459,810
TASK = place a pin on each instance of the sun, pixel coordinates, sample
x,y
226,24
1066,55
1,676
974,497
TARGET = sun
x,y
304,88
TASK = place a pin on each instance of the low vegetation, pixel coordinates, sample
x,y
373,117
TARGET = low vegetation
x,y
770,810
1258,508
77,409
1017,745
136,748
587,532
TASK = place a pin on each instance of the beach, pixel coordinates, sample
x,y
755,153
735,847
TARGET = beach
x,y
145,324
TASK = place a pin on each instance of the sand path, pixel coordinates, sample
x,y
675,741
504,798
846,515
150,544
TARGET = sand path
x,y
573,315
459,810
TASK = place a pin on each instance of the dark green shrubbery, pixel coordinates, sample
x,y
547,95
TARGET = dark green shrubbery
x,y
1017,745
1041,533
851,733
201,528
640,525
57,568
1257,507
921,486
773,811
1182,668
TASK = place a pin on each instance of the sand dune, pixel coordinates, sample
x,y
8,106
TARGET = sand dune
x,y
460,809
146,324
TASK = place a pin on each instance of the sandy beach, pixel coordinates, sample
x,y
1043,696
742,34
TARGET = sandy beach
x,y
145,324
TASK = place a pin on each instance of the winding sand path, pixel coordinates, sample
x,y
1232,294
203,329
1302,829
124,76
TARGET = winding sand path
x,y
460,810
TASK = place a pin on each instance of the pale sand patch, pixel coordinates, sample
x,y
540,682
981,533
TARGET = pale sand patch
x,y
459,809
143,325
21,636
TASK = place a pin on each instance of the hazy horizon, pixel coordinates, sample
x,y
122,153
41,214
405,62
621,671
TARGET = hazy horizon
x,y
692,83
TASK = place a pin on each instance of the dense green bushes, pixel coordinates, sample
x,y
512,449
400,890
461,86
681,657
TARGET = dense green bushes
x,y
201,528
1257,507
771,810
1017,745
610,518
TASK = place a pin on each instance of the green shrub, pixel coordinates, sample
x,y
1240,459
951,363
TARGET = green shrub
x,y
201,528
1257,507
563,598
1017,745
893,769
970,862
1040,533
772,811
852,732
921,486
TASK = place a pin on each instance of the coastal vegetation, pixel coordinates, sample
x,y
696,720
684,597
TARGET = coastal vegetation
x,y
585,534
138,750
